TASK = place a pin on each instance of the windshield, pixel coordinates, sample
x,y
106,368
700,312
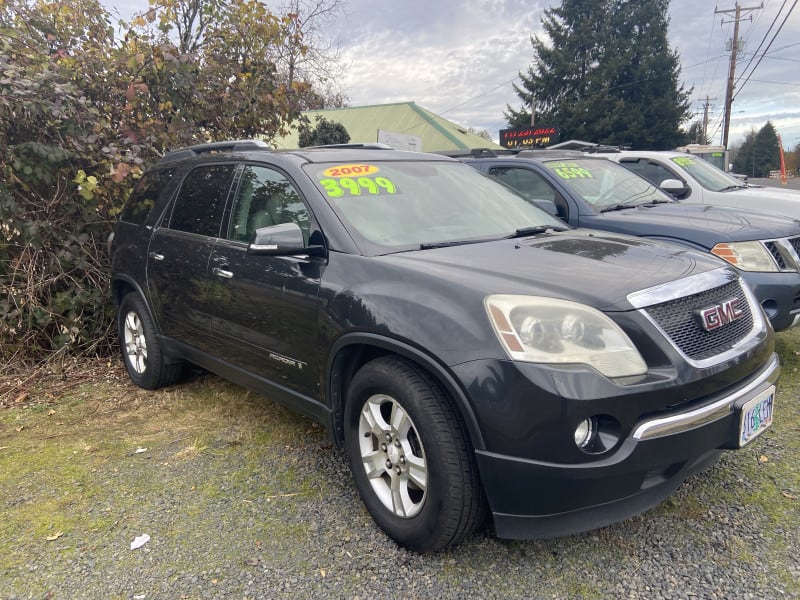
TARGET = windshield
x,y
707,175
403,205
605,184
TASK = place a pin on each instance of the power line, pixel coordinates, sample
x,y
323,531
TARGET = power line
x,y
763,39
786,18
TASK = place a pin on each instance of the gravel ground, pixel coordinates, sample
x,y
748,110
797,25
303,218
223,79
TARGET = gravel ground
x,y
244,500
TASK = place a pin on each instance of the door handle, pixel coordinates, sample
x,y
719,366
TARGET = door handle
x,y
156,256
222,273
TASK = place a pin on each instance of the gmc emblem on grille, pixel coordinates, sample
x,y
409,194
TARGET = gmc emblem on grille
x,y
720,314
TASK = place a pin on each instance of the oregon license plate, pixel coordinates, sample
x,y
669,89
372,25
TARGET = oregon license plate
x,y
756,416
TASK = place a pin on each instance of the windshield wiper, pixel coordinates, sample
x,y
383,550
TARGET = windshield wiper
x,y
432,245
526,231
733,187
652,202
619,206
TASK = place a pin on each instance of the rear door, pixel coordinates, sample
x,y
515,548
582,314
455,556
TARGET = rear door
x,y
177,258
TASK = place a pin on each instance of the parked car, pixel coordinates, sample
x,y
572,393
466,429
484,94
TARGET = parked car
x,y
692,179
587,190
463,346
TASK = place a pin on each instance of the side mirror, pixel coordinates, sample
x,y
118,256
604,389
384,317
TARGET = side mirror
x,y
285,239
675,187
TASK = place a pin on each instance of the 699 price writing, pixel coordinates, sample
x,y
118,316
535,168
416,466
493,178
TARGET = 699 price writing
x,y
573,173
336,188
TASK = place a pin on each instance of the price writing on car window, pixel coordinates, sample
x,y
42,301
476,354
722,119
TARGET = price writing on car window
x,y
349,186
570,171
682,161
350,170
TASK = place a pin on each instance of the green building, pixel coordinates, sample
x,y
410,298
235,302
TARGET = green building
x,y
403,125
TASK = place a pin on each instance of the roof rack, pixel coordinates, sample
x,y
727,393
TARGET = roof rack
x,y
549,152
230,146
479,152
588,147
364,146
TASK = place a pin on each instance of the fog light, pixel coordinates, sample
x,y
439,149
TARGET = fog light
x,y
584,433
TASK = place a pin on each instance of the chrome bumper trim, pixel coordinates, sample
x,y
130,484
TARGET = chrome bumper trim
x,y
706,414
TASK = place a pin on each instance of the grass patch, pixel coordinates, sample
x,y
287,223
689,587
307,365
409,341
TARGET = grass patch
x,y
207,463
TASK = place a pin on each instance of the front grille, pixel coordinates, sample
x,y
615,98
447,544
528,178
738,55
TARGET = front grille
x,y
776,254
795,242
678,320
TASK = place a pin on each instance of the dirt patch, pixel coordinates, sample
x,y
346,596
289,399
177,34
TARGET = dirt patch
x,y
24,386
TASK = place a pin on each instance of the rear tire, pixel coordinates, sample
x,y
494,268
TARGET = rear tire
x,y
409,456
141,351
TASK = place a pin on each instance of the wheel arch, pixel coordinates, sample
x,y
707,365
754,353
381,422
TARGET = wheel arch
x,y
122,285
353,350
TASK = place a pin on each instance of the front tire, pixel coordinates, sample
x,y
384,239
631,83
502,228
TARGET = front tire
x,y
409,456
141,351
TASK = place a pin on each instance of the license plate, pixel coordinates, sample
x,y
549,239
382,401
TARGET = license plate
x,y
756,416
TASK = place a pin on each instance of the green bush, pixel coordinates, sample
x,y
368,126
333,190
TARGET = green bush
x,y
82,113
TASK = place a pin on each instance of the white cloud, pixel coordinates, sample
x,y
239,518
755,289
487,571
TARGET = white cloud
x,y
458,58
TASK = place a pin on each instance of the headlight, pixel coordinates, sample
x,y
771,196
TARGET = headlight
x,y
547,330
747,256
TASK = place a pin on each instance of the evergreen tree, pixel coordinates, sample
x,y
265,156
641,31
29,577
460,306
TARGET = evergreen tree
x,y
758,154
695,134
606,75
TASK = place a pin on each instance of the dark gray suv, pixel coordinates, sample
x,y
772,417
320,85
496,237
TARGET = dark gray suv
x,y
466,348
591,191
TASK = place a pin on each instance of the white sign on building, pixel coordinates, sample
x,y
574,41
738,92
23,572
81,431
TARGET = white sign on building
x,y
400,141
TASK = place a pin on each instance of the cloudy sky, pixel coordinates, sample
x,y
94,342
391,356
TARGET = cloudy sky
x,y
460,58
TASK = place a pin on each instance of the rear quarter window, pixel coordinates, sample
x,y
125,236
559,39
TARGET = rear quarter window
x,y
143,199
201,200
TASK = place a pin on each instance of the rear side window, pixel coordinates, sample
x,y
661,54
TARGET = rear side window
x,y
144,197
201,200
654,173
528,183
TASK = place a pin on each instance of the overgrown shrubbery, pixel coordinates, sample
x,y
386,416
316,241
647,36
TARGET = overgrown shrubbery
x,y
82,112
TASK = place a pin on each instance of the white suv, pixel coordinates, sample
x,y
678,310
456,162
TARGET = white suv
x,y
692,179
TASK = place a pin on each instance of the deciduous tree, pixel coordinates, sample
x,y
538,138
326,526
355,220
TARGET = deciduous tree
x,y
81,114
325,132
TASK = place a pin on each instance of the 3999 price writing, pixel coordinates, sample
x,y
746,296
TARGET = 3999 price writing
x,y
336,188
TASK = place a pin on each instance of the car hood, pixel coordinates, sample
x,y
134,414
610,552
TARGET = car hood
x,y
761,199
700,224
591,267
760,191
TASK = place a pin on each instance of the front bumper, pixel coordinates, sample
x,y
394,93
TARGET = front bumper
x,y
537,499
779,296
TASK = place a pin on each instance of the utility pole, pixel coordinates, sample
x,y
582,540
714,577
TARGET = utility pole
x,y
731,72
705,119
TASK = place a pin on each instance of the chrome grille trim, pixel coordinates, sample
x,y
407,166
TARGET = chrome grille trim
x,y
778,256
692,286
789,249
680,288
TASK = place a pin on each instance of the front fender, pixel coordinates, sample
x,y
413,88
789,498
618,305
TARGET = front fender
x,y
352,349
